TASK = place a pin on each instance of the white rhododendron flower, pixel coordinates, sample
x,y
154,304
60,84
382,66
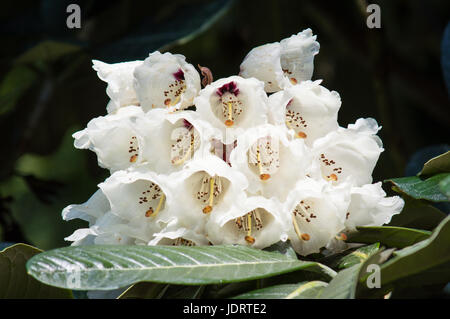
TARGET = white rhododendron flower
x,y
166,81
206,185
173,139
315,214
114,138
308,108
271,162
104,227
233,105
282,64
142,198
119,77
177,235
349,154
369,206
256,221
243,168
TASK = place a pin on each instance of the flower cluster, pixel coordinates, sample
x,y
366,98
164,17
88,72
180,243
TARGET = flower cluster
x,y
261,159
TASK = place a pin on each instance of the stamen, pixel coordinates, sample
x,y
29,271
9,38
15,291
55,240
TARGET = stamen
x,y
288,124
249,239
230,121
178,160
262,175
158,208
293,80
300,235
209,208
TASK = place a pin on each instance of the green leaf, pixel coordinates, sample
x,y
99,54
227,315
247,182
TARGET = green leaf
x,y
150,290
421,189
144,290
345,284
15,83
418,214
436,165
16,283
390,236
110,267
171,30
47,51
358,256
425,262
302,290
444,185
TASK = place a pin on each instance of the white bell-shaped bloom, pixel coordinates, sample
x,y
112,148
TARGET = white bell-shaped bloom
x,y
282,64
114,138
256,222
315,213
308,108
94,208
232,105
369,206
166,81
104,227
142,198
173,139
348,154
119,77
271,161
206,185
177,235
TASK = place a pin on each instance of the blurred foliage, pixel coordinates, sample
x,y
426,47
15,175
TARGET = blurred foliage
x,y
48,89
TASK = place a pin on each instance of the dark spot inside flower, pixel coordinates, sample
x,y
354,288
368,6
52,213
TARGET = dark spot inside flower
x,y
187,124
228,87
289,103
179,75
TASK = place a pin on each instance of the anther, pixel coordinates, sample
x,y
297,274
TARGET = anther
x,y
250,239
209,208
333,177
301,135
305,237
133,158
149,212
341,236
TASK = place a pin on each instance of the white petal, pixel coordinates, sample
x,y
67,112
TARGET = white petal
x,y
319,214
114,138
206,185
348,154
284,64
94,208
141,197
173,139
281,164
179,236
233,105
166,81
119,77
254,222
369,206
308,108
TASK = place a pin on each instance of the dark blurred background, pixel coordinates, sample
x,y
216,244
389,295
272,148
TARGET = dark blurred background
x,y
48,89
